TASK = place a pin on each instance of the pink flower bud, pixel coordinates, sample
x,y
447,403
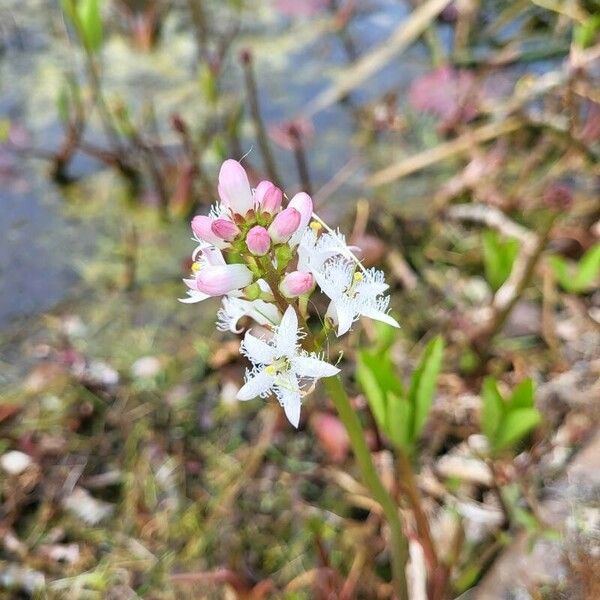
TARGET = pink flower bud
x,y
260,191
303,203
296,283
225,229
272,199
222,279
258,240
202,228
284,225
234,187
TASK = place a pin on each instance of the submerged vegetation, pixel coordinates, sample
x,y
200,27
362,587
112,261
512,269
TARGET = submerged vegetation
x,y
457,145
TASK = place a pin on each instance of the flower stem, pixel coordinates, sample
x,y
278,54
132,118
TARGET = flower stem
x,y
408,486
399,544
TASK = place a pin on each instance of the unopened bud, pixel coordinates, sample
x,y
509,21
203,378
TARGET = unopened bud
x,y
253,291
202,228
268,197
284,225
258,240
217,280
225,229
272,200
296,284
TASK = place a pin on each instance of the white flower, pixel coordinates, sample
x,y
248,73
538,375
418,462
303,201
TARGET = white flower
x,y
353,293
314,250
280,366
233,309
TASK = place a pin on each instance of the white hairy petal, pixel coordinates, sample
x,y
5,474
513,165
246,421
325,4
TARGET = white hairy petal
x,y
379,315
257,384
286,336
257,351
312,366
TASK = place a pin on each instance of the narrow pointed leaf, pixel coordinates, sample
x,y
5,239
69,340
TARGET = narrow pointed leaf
x,y
492,410
522,396
561,272
377,377
385,335
588,269
91,23
515,426
498,257
371,388
398,421
423,384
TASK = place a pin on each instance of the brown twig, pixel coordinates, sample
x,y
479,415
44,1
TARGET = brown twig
x,y
261,133
300,157
497,491
491,217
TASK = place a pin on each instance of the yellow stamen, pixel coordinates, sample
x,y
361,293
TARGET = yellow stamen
x,y
358,277
271,370
316,226
196,267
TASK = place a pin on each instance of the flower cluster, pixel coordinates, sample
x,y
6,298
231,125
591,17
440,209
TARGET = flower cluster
x,y
265,261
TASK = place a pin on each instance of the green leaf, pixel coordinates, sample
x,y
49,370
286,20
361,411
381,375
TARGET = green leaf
x,y
371,388
584,35
522,396
498,257
385,335
525,519
423,384
515,426
578,278
398,420
561,271
86,17
491,259
208,83
376,375
493,409
588,269
91,23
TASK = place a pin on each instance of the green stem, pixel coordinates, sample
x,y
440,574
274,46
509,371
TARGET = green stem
x,y
399,549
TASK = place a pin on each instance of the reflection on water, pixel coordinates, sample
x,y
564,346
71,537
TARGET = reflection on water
x,y
44,237
39,244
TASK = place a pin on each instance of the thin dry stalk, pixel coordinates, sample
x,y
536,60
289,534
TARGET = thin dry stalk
x,y
460,145
406,33
493,218
261,133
